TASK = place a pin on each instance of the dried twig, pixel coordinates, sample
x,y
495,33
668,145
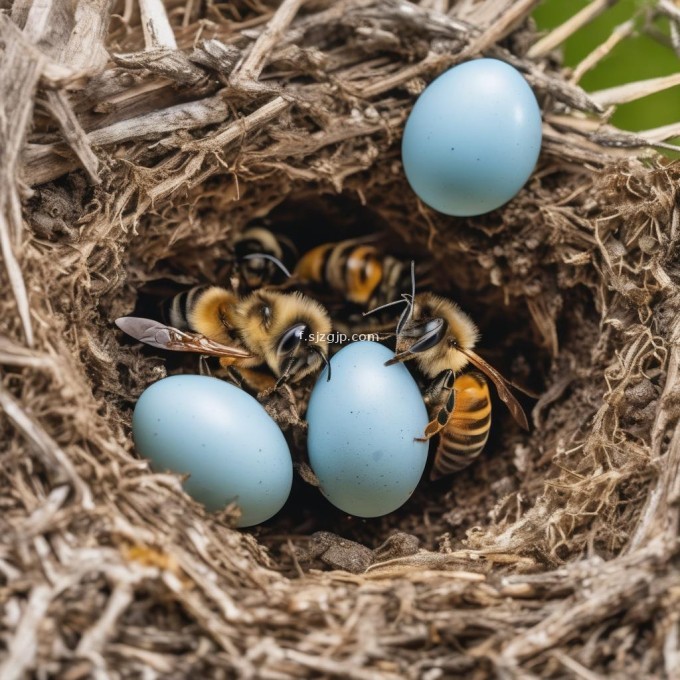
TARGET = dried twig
x,y
156,27
73,133
19,73
569,27
601,51
253,64
52,456
210,118
629,92
500,27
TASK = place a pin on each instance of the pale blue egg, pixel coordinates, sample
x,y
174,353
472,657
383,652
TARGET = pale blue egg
x,y
473,138
362,429
222,438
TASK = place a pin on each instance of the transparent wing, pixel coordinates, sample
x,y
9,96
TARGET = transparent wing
x,y
159,335
501,385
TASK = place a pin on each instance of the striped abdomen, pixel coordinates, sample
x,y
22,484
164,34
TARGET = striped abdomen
x,y
176,310
351,269
355,269
204,309
467,430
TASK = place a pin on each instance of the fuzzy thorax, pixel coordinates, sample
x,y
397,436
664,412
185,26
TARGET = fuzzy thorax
x,y
264,317
462,332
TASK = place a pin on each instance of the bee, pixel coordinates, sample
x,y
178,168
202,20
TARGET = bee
x,y
261,256
355,269
439,337
284,331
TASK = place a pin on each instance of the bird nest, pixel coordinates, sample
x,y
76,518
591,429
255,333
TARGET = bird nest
x,y
138,142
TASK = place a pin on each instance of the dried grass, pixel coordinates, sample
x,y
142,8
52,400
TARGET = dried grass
x,y
136,149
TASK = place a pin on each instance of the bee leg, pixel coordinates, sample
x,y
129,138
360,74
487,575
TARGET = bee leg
x,y
234,376
439,392
203,367
283,379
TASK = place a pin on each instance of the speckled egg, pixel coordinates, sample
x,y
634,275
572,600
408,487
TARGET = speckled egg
x,y
473,138
362,429
221,437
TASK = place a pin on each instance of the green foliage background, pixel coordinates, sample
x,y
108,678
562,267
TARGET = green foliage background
x,y
638,57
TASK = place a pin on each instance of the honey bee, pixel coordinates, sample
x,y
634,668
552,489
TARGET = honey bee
x,y
356,269
284,331
262,255
439,337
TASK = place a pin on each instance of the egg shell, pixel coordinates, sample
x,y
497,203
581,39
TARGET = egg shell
x,y
473,138
362,429
222,438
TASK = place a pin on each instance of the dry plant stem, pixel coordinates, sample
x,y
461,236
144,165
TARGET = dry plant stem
x,y
601,51
612,587
187,116
19,73
34,18
21,9
85,50
672,11
660,514
14,271
336,668
576,668
242,127
558,35
441,6
499,28
73,133
25,641
48,162
522,566
52,456
193,170
93,640
253,64
13,354
157,29
431,62
622,94
661,133
667,7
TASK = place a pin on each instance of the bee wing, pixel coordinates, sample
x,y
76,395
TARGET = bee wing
x,y
501,385
166,337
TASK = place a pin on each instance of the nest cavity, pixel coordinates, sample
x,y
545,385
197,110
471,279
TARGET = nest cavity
x,y
138,143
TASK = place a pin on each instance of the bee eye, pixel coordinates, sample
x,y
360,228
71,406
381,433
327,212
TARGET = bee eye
x,y
431,333
292,339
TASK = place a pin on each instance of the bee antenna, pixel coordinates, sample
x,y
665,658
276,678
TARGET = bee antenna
x,y
409,298
271,258
385,306
405,314
319,351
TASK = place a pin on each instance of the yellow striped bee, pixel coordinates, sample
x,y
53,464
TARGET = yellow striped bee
x,y
284,331
355,269
439,337
262,255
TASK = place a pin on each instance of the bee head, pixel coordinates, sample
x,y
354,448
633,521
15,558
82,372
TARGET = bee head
x,y
432,331
259,254
256,271
289,331
299,353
